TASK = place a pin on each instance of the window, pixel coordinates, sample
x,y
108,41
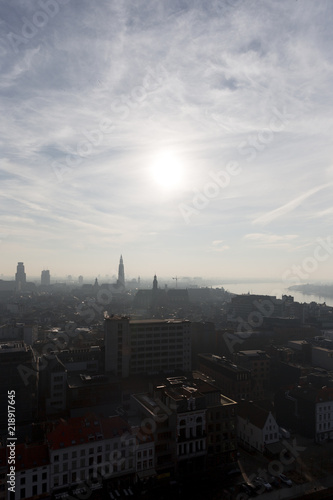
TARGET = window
x,y
34,490
34,478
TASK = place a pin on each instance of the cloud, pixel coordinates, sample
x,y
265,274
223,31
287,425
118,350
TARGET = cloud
x,y
218,246
270,240
200,79
288,207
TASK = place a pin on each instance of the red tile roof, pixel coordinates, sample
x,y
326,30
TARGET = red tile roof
x,y
80,430
31,456
250,411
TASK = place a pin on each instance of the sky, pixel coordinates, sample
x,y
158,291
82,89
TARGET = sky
x,y
192,137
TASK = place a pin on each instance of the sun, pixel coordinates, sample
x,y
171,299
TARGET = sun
x,y
167,170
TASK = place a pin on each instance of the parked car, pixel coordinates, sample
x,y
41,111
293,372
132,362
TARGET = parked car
x,y
249,489
284,479
263,482
274,482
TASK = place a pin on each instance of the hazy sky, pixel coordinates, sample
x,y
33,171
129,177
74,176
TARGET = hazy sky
x,y
193,137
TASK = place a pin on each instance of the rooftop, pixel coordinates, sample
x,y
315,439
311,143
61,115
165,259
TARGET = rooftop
x,y
80,430
31,456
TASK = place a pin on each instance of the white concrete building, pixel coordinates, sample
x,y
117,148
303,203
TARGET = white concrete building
x,y
256,426
32,476
90,449
324,420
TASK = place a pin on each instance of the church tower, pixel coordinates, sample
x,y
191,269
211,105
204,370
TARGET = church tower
x,y
121,273
155,284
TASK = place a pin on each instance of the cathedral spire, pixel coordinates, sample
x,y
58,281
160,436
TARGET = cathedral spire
x,y
121,273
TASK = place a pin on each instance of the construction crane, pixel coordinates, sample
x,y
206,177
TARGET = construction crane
x,y
176,278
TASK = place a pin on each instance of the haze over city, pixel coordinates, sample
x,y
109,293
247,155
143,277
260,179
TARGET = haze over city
x,y
194,138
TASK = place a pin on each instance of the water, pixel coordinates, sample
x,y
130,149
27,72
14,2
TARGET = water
x,y
274,288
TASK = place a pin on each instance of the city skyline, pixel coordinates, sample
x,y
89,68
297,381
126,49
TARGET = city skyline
x,y
192,139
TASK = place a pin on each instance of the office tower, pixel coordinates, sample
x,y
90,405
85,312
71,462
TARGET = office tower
x,y
121,273
80,280
45,278
20,276
146,346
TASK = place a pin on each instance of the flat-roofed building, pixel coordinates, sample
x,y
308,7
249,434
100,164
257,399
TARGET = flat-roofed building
x,y
146,346
234,381
258,362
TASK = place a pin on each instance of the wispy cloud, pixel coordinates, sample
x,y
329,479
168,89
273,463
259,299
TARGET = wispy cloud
x,y
288,207
262,240
104,87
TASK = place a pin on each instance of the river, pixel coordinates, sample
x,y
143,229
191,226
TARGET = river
x,y
274,288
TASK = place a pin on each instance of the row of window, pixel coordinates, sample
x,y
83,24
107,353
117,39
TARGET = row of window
x,y
24,492
146,464
99,449
35,478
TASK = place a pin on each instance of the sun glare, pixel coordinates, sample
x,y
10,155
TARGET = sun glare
x,y
167,170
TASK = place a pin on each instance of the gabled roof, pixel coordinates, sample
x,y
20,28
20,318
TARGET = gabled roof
x,y
31,456
256,415
80,430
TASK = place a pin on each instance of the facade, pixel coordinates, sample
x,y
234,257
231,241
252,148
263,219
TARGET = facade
x,y
45,278
221,423
32,472
324,415
18,372
247,307
20,276
234,381
52,386
121,273
91,450
146,346
193,424
322,357
159,422
257,427
259,365
316,404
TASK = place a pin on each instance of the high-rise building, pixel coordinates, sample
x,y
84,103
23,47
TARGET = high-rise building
x,y
146,346
121,273
45,278
20,276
